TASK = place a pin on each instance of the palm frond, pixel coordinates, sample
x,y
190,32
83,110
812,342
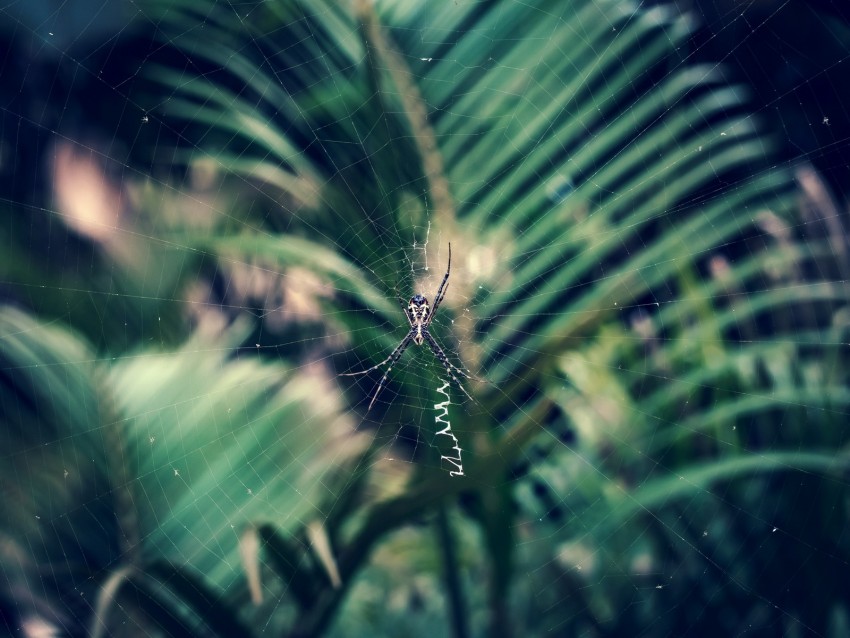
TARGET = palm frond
x,y
636,285
153,448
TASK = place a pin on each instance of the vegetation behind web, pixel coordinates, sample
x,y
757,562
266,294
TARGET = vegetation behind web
x,y
656,307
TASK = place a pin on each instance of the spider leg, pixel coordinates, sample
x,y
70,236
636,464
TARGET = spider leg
x,y
450,368
405,310
460,371
367,370
441,291
394,356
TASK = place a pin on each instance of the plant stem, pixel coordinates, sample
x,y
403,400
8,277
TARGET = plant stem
x,y
454,591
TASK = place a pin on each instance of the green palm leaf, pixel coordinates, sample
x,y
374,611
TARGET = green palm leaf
x,y
630,282
178,452
594,173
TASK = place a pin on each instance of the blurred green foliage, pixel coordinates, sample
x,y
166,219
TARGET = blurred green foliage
x,y
658,313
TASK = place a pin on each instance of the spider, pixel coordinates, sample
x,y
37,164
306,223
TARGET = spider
x,y
419,315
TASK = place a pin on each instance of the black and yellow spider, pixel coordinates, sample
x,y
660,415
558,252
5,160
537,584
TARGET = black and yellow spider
x,y
419,315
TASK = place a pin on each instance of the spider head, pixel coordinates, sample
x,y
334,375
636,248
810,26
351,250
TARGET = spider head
x,y
418,309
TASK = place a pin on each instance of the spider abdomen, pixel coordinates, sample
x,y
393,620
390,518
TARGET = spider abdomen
x,y
419,315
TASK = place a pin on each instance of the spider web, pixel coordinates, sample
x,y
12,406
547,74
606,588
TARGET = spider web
x,y
205,224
